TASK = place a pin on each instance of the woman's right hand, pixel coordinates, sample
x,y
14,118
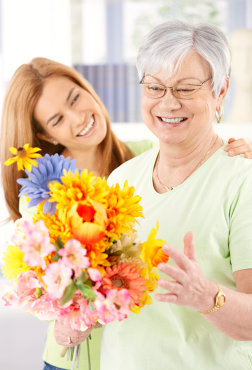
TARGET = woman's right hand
x,y
67,337
239,146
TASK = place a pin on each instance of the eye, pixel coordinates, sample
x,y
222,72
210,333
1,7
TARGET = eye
x,y
185,89
155,88
55,123
75,98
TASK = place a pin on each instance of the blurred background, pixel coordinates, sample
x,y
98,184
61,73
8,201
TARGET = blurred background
x,y
100,39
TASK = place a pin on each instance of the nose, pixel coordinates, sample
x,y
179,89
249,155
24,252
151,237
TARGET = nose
x,y
169,100
76,117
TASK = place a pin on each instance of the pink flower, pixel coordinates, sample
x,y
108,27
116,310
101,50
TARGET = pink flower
x,y
24,290
78,314
9,299
44,307
19,236
116,305
94,274
36,244
57,277
27,285
74,256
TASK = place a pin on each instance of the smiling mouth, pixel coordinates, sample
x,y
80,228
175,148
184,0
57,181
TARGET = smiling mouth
x,y
88,128
172,120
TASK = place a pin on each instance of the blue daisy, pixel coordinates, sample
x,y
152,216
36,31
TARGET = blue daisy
x,y
50,168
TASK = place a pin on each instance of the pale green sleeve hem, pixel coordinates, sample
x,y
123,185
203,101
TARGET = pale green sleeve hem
x,y
138,147
26,212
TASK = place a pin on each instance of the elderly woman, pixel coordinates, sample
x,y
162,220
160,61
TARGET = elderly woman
x,y
201,315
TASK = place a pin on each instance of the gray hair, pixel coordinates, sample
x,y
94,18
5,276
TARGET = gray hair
x,y
166,45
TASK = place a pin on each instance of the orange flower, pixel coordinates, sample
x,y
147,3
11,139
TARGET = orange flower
x,y
152,252
88,221
125,276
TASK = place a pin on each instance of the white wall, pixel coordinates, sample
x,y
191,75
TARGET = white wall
x,y
48,34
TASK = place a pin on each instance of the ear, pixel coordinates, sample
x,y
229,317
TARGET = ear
x,y
223,93
46,137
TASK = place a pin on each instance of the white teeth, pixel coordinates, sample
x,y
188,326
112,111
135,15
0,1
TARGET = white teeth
x,y
87,128
172,120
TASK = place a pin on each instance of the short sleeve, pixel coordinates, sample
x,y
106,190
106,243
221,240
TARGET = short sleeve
x,y
240,238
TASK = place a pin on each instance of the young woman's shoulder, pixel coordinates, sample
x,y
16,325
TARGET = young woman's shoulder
x,y
134,167
138,147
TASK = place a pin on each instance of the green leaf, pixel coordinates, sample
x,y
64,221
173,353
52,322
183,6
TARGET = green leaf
x,y
83,277
68,293
38,293
85,289
56,257
59,243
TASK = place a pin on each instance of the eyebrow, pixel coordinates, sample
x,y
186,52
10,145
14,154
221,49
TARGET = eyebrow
x,y
67,99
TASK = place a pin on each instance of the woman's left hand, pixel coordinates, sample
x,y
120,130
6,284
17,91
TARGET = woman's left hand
x,y
188,286
239,146
67,337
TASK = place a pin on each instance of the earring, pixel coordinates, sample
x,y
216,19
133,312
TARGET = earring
x,y
218,114
55,142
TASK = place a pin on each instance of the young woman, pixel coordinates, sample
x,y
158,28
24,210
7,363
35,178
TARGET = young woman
x,y
51,106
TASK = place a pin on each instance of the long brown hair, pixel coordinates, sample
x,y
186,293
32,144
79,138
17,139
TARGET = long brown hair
x,y
19,127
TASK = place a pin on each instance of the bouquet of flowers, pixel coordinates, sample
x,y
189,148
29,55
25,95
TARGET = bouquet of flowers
x,y
78,260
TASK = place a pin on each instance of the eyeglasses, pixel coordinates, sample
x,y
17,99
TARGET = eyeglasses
x,y
180,91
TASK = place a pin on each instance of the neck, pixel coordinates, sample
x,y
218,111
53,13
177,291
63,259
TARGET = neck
x,y
182,154
177,162
89,159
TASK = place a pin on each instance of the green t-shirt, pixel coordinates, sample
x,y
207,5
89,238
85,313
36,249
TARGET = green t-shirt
x,y
52,352
216,203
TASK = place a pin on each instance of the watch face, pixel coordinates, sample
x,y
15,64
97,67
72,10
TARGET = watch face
x,y
221,300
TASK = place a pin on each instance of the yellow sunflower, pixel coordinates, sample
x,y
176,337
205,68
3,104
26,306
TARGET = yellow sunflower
x,y
14,262
24,157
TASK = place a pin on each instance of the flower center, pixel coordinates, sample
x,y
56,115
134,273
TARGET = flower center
x,y
119,282
38,248
21,152
57,280
72,257
87,213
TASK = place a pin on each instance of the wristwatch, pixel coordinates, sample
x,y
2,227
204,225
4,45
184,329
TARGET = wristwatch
x,y
220,300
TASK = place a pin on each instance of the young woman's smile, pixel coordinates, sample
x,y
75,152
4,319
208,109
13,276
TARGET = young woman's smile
x,y
70,115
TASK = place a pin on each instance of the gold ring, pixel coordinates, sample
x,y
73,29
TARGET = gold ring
x,y
69,340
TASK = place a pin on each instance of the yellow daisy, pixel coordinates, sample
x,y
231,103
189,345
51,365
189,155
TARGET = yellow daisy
x,y
23,157
14,262
152,252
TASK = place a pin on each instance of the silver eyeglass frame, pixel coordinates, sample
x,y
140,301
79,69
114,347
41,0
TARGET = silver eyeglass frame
x,y
172,88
